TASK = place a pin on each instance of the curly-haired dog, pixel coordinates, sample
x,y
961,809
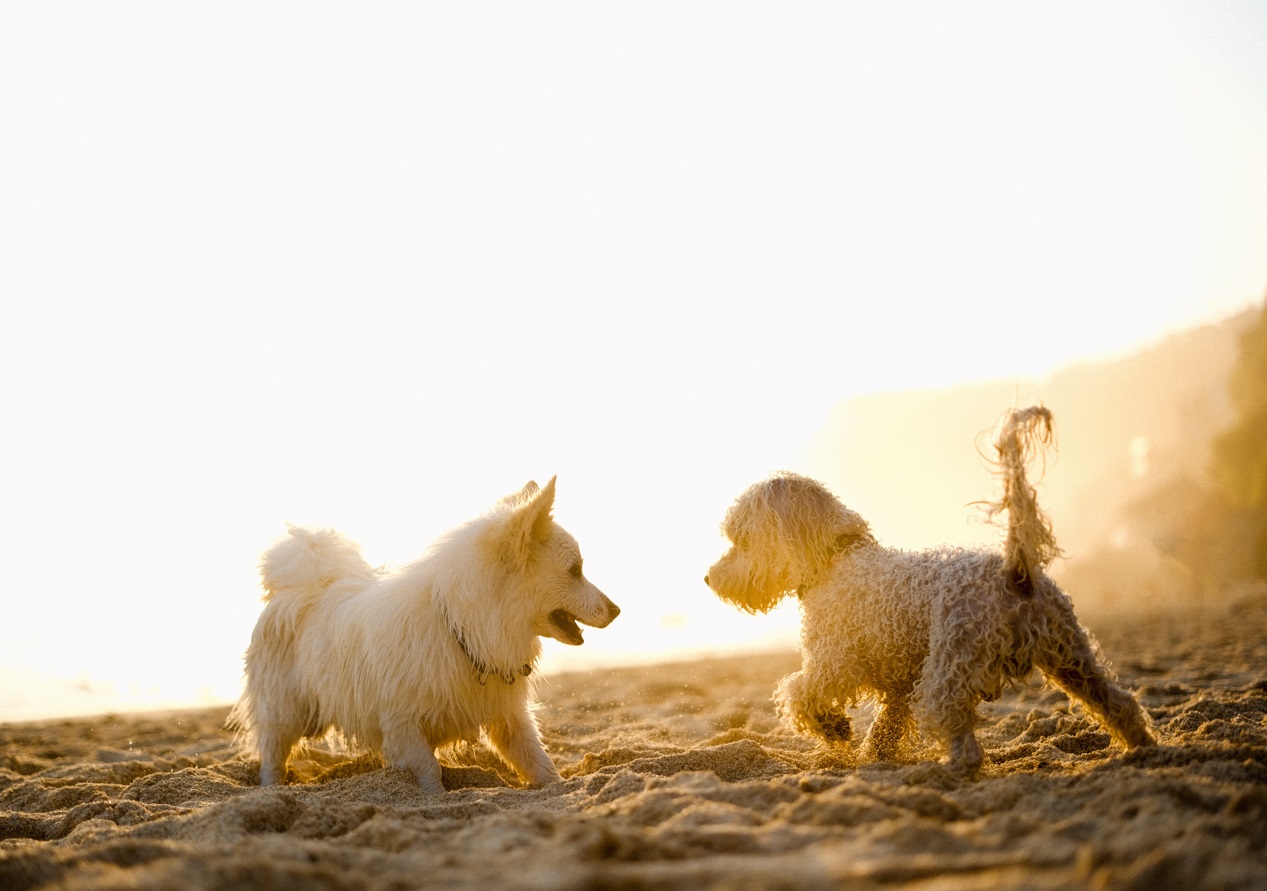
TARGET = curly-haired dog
x,y
929,634
405,661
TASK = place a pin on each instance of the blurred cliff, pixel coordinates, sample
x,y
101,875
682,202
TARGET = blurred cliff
x,y
1157,488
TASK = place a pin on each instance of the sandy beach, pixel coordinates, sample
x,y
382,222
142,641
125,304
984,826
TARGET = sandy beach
x,y
679,776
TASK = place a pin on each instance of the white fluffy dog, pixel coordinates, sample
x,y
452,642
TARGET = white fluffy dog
x,y
928,635
408,660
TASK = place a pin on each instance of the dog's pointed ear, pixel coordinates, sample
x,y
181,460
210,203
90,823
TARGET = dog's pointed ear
x,y
530,488
538,509
529,521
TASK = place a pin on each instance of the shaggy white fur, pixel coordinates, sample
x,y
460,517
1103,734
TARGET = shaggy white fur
x,y
405,661
929,634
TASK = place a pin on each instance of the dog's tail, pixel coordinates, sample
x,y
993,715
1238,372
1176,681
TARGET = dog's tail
x,y
308,561
1031,544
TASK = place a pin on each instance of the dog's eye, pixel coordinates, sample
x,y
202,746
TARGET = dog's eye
x,y
575,570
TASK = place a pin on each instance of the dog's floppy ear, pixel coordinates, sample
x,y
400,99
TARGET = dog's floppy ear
x,y
528,522
852,530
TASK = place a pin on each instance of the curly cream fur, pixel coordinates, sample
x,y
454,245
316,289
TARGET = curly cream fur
x,y
797,527
929,634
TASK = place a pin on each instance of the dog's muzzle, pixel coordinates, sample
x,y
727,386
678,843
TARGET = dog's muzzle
x,y
612,611
568,624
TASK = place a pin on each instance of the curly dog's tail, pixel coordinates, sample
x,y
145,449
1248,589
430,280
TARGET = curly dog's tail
x,y
1030,545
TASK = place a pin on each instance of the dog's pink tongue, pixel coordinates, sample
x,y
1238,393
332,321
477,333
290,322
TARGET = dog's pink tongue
x,y
566,623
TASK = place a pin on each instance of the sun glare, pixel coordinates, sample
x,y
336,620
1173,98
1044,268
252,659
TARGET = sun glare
x,y
376,271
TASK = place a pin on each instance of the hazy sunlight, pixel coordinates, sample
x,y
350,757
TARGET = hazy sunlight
x,y
374,268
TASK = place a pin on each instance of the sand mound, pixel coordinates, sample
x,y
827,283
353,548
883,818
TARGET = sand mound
x,y
678,776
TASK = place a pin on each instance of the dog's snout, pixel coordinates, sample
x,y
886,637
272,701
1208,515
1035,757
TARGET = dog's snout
x,y
612,609
706,578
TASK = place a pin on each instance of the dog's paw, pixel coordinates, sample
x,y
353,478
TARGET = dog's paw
x,y
430,787
833,726
541,777
965,756
541,784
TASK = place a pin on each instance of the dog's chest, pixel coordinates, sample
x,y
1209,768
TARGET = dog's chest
x,y
473,707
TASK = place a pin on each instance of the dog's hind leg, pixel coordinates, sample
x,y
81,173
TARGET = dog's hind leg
x,y
1070,662
946,703
953,722
891,724
965,753
517,739
274,745
405,745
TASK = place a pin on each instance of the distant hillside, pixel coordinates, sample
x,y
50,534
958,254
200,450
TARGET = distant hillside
x,y
909,462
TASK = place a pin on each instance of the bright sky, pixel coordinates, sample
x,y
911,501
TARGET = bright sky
x,y
373,266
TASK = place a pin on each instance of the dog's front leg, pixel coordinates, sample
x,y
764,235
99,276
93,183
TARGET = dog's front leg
x,y
891,724
808,708
517,739
405,745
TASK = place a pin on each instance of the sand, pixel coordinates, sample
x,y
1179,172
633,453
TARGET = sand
x,y
678,776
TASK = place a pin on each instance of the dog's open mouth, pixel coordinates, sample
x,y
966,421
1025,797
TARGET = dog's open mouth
x,y
569,631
